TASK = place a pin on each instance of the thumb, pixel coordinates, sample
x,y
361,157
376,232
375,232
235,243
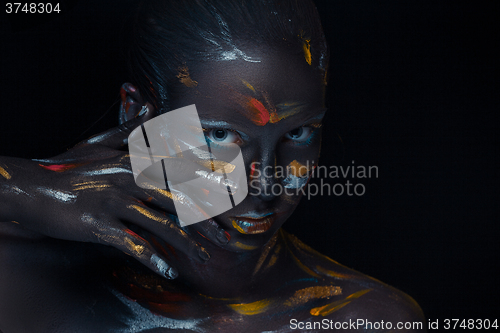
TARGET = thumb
x,y
117,137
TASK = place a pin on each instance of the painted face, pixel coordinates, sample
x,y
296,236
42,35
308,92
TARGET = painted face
x,y
272,108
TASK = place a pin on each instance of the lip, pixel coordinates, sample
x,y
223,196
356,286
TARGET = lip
x,y
253,223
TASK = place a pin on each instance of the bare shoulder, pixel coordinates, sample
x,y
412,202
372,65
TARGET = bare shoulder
x,y
362,300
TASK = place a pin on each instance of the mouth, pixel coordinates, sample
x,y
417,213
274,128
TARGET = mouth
x,y
253,223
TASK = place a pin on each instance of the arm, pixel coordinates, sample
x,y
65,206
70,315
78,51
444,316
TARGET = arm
x,y
88,194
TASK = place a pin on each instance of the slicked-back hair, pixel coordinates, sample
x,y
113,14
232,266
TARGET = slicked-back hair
x,y
168,35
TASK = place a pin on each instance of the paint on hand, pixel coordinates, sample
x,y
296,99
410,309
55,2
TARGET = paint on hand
x,y
163,267
335,306
60,167
4,173
65,197
107,171
93,185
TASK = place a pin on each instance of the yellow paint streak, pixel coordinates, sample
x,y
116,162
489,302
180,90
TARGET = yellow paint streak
x,y
332,307
297,261
306,46
244,246
144,212
275,256
327,309
99,186
217,166
185,77
297,169
307,294
333,274
4,173
248,85
237,227
138,249
164,193
250,309
265,253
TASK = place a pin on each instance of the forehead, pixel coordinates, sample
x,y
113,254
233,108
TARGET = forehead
x,y
271,81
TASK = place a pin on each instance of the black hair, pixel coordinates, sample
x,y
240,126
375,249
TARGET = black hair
x,y
168,35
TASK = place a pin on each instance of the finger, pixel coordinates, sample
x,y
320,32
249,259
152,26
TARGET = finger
x,y
212,231
134,245
166,229
117,137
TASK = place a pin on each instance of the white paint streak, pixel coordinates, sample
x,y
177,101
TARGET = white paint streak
x,y
109,171
144,319
66,197
295,182
15,190
162,266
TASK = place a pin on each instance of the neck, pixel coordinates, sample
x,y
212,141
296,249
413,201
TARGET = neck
x,y
227,274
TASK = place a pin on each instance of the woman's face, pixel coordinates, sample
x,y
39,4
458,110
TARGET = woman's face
x,y
273,110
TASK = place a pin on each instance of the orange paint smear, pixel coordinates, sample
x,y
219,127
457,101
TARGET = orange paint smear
x,y
60,167
260,115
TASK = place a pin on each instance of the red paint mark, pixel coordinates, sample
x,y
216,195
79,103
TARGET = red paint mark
x,y
228,235
131,233
123,96
252,171
260,115
60,167
201,235
207,192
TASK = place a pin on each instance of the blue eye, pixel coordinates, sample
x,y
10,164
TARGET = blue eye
x,y
299,134
222,136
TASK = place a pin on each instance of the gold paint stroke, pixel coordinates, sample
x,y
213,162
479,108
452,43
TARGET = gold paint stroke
x,y
144,212
217,166
185,77
332,307
4,173
298,169
250,309
333,274
93,185
248,85
306,45
138,249
311,293
244,246
297,261
265,253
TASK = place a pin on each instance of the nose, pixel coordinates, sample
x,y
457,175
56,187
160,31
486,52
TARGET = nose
x,y
263,179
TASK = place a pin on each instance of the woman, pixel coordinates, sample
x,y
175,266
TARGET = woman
x,y
256,71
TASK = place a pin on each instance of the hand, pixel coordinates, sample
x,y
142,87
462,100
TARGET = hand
x,y
88,194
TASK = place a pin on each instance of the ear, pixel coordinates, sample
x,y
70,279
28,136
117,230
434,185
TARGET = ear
x,y
132,104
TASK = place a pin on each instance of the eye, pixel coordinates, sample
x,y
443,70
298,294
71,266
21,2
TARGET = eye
x,y
222,136
299,134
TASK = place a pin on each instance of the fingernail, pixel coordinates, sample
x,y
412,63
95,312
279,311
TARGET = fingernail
x,y
222,237
144,109
203,254
172,273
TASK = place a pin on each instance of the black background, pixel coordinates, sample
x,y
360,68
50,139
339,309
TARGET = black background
x,y
412,90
